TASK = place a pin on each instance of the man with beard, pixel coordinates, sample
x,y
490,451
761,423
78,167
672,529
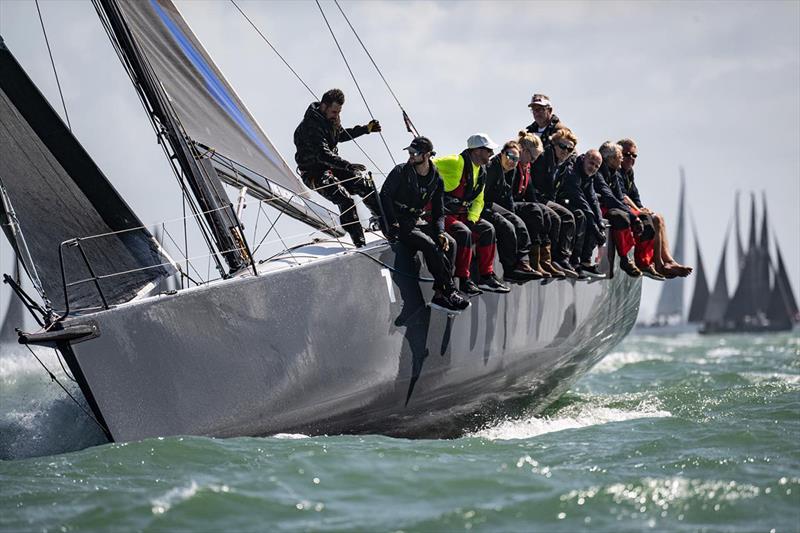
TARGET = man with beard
x,y
413,191
661,257
464,177
321,168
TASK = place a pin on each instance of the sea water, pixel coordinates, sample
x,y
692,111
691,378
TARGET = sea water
x,y
667,433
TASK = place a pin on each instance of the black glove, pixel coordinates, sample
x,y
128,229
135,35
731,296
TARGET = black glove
x,y
355,168
373,126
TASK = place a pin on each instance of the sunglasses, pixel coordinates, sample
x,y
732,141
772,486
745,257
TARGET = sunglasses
x,y
631,155
512,157
567,147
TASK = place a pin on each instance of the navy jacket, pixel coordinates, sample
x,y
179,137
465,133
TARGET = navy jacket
x,y
316,138
568,186
405,196
630,189
498,185
550,129
543,173
608,186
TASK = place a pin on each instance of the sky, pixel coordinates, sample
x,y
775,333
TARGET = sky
x,y
713,87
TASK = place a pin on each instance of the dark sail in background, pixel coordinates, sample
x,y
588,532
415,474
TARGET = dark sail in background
x,y
58,193
670,302
740,252
700,296
14,316
785,286
211,113
718,302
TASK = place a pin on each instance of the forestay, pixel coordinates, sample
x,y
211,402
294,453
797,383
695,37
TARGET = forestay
x,y
58,193
212,115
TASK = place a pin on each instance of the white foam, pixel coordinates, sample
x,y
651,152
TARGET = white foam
x,y
176,495
289,436
615,361
759,378
583,416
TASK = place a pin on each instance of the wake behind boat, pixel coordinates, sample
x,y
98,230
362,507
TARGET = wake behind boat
x,y
274,346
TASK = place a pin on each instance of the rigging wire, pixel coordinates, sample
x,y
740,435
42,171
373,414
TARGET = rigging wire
x,y
53,63
406,118
353,76
316,98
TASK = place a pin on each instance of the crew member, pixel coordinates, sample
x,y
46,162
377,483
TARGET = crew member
x,y
513,240
324,171
627,228
575,191
464,177
662,259
413,191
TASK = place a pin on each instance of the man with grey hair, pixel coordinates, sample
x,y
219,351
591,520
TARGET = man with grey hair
x,y
628,229
661,258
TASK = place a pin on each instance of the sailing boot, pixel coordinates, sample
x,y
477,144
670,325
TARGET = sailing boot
x,y
545,260
535,255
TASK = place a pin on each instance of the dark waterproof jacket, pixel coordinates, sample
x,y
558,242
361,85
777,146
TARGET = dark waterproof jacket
x,y
629,187
550,129
498,185
406,197
543,173
316,138
568,186
608,186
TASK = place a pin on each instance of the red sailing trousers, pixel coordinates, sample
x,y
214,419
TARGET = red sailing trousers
x,y
482,234
624,240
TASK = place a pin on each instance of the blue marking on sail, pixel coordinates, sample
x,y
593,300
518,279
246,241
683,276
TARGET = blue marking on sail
x,y
214,85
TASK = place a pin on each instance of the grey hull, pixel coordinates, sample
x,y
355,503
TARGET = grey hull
x,y
341,345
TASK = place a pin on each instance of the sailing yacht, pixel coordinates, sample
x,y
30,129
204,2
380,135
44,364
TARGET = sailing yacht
x,y
272,346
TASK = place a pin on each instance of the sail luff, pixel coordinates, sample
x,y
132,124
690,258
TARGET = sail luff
x,y
785,285
700,296
218,211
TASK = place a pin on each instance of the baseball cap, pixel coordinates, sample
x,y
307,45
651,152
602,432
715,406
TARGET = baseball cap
x,y
540,99
422,145
481,140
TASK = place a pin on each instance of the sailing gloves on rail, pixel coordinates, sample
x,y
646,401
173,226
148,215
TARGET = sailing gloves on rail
x,y
373,126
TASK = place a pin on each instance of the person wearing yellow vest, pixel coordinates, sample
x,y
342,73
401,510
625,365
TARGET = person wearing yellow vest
x,y
464,177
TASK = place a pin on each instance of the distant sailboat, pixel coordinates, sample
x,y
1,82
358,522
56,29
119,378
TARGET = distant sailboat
x,y
700,296
718,302
740,251
669,309
757,304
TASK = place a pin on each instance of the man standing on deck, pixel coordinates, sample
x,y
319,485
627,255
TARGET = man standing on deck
x,y
660,257
414,191
464,177
322,169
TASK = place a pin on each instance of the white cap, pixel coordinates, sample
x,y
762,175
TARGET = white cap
x,y
481,140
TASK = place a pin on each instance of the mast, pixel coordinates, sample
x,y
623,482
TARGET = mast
x,y
14,316
217,210
670,303
701,295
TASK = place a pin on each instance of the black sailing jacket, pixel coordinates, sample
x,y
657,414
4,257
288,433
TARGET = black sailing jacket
x,y
498,185
405,195
608,186
550,129
316,138
629,187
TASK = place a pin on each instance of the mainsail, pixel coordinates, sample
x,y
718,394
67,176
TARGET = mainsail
x,y
210,113
784,286
670,303
53,192
700,296
740,252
